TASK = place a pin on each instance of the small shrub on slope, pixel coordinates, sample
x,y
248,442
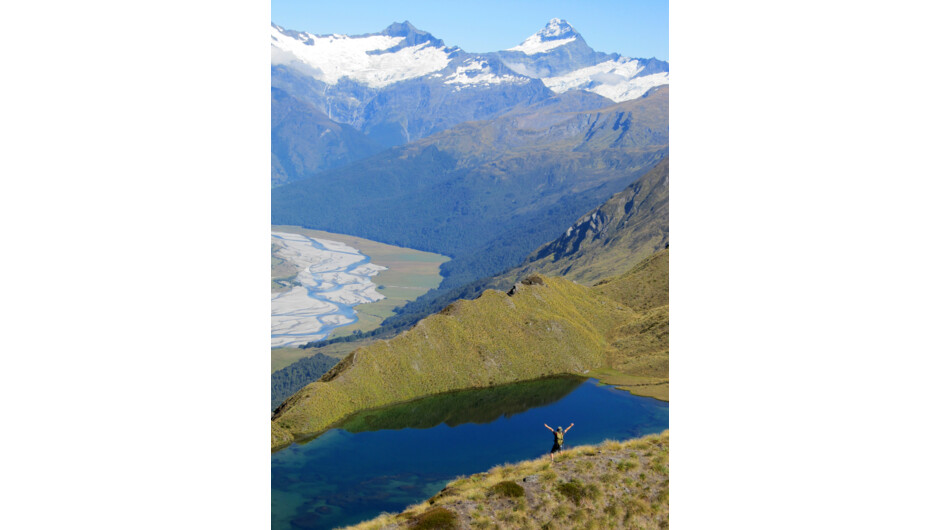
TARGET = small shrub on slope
x,y
436,518
509,489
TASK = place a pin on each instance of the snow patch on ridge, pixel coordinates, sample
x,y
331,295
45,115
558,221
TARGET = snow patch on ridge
x,y
616,80
329,58
535,44
478,72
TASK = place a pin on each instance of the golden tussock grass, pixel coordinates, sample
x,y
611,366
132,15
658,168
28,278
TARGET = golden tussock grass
x,y
599,495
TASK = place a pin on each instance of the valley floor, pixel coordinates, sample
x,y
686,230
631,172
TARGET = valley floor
x,y
390,277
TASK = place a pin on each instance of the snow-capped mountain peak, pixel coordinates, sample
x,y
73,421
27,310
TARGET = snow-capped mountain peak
x,y
559,56
556,33
556,29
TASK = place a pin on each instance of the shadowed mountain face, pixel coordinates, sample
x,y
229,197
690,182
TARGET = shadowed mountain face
x,y
612,238
397,85
416,108
605,242
305,141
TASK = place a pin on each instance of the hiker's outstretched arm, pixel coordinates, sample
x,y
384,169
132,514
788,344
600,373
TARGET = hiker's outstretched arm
x,y
569,427
547,427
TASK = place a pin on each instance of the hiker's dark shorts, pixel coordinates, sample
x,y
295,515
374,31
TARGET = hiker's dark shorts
x,y
555,447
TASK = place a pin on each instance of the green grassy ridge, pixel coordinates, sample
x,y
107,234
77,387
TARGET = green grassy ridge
x,y
550,327
645,286
638,349
609,485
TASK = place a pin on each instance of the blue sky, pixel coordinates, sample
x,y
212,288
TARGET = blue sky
x,y
629,27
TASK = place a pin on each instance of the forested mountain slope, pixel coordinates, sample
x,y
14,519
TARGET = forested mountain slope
x,y
609,239
486,193
613,237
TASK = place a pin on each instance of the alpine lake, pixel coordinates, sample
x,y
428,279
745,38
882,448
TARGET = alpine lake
x,y
387,459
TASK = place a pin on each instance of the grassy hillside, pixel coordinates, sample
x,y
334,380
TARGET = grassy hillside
x,y
544,326
637,355
611,485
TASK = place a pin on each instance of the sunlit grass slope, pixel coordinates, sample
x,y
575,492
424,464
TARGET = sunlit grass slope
x,y
547,326
638,349
611,485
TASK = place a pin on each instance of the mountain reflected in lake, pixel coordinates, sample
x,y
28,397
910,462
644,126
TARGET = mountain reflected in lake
x,y
387,459
466,406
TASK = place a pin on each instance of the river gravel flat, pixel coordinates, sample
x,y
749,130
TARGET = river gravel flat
x,y
333,278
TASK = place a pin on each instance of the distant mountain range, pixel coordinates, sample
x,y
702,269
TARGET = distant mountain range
x,y
403,84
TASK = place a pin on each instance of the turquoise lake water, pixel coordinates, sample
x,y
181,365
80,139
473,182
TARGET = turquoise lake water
x,y
387,459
